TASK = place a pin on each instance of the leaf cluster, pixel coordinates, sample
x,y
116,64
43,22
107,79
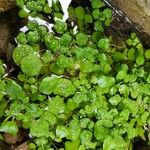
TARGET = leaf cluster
x,y
76,91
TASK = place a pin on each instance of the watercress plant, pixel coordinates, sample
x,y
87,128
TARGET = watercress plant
x,y
75,90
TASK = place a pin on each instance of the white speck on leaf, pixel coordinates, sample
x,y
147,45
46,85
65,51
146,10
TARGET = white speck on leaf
x,y
24,29
42,22
75,31
26,9
49,3
65,4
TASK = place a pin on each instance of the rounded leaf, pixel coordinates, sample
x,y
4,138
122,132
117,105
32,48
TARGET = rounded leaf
x,y
100,132
65,88
62,131
21,51
48,84
104,43
9,127
147,54
31,65
14,90
39,128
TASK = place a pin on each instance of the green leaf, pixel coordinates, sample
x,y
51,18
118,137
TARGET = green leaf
x,y
71,105
56,105
106,122
14,90
88,67
23,14
48,84
96,36
66,39
133,106
119,56
130,78
148,79
107,117
121,74
140,60
104,44
14,109
3,104
26,121
147,54
88,19
107,13
96,13
79,12
124,114
52,120
9,127
51,43
62,61
71,145
64,88
81,39
41,141
31,65
1,138
116,143
100,132
86,137
33,37
39,128
74,129
84,122
20,3
82,147
47,57
105,81
131,54
144,117
100,102
31,5
115,99
80,97
86,53
47,9
21,51
42,30
58,15
33,110
97,3
60,26
132,132
2,69
62,131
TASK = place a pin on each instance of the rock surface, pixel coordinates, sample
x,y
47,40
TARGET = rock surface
x,y
4,39
6,5
8,29
138,12
6,18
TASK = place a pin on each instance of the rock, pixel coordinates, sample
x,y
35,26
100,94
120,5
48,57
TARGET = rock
x,y
23,146
6,5
138,12
5,22
9,24
4,39
11,139
145,4
4,146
